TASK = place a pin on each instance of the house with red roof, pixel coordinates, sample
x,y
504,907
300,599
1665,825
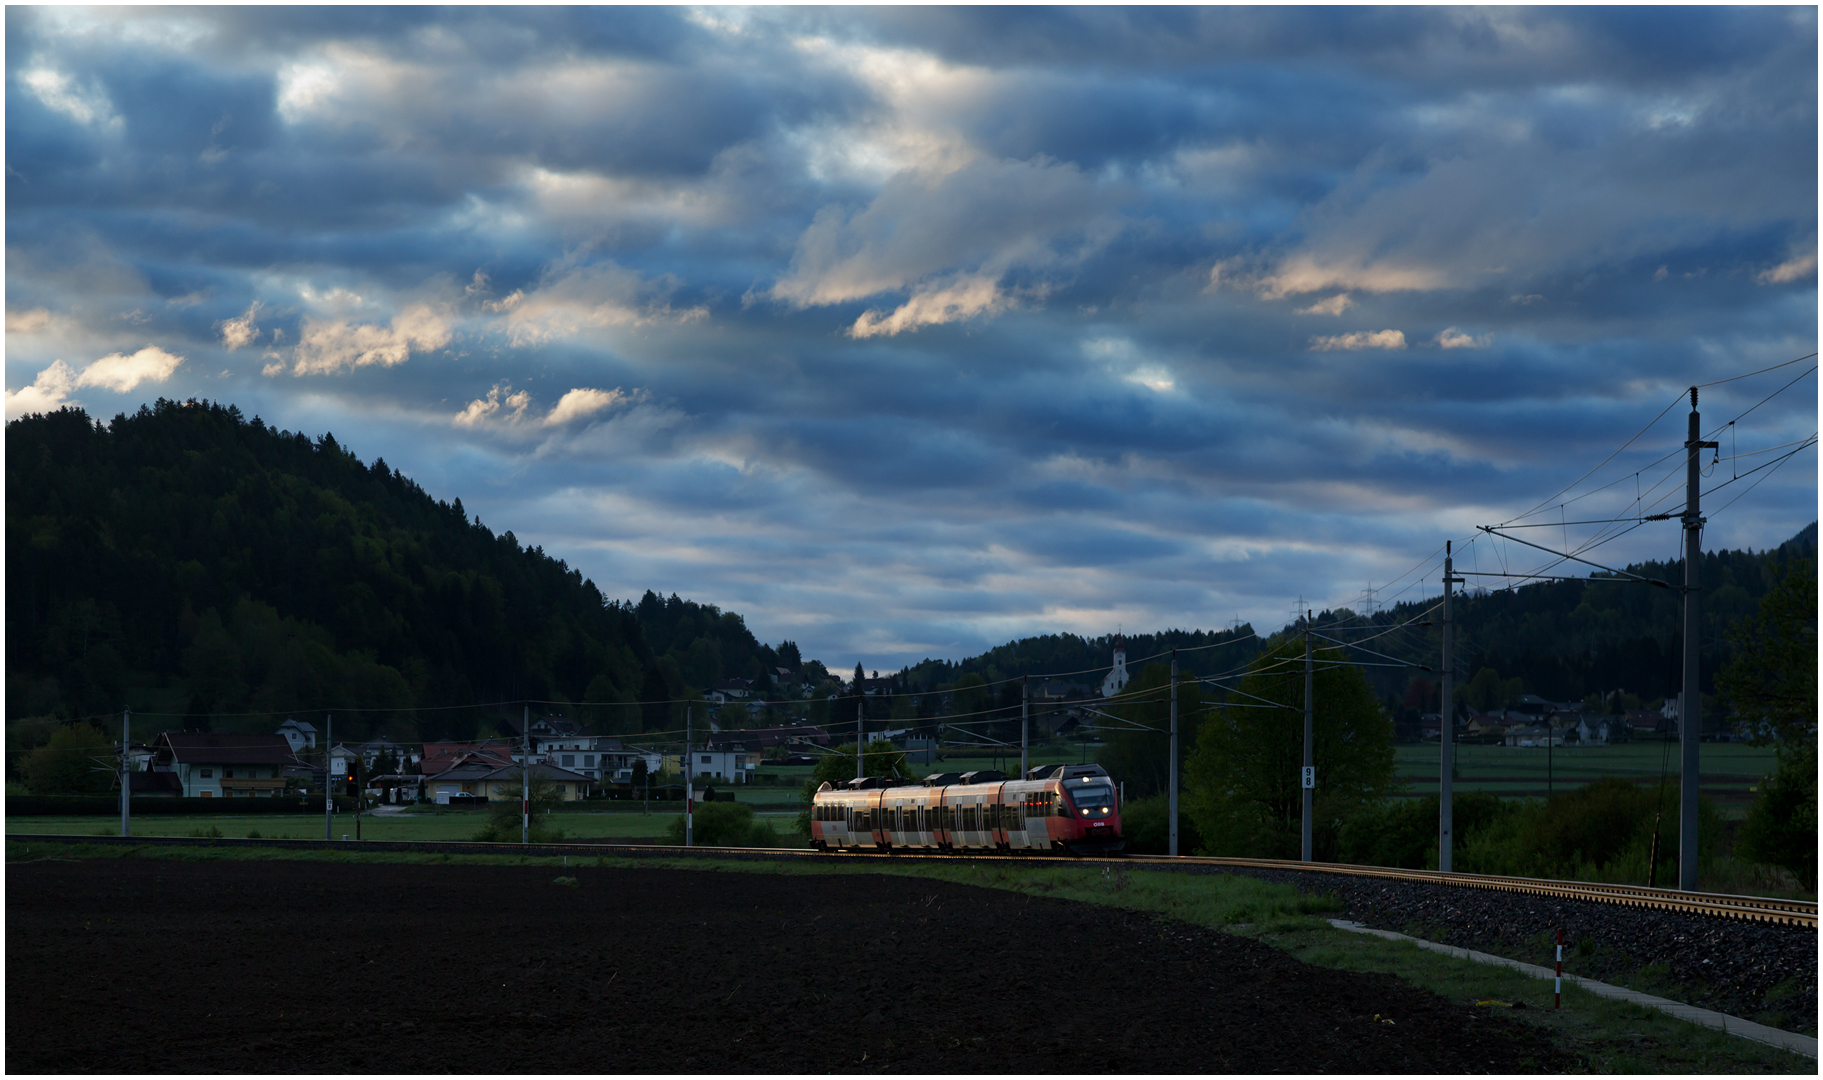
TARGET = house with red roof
x,y
443,756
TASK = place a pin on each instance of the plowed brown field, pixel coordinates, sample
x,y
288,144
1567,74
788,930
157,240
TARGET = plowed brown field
x,y
120,965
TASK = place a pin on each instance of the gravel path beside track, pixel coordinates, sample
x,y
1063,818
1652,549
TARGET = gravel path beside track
x,y
1758,971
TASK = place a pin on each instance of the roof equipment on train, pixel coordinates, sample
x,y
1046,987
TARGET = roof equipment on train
x,y
983,776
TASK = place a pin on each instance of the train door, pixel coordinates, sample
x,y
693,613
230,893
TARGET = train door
x,y
1037,834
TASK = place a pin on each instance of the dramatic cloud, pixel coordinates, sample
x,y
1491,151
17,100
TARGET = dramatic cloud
x,y
1453,338
328,346
1361,339
1335,305
504,407
118,372
939,326
241,331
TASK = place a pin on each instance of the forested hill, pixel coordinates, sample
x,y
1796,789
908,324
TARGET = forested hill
x,y
187,560
1571,640
1562,640
1200,652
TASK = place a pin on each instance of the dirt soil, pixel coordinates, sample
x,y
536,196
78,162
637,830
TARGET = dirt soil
x,y
333,967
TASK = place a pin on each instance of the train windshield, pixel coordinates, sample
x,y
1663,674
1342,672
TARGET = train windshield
x,y
1092,801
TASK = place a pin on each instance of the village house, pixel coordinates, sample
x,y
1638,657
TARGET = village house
x,y
727,690
601,758
301,734
210,765
1649,722
441,756
754,742
1539,735
487,780
374,749
722,764
1593,730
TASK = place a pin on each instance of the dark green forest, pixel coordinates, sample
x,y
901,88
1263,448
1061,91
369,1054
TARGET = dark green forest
x,y
1573,640
1077,659
187,560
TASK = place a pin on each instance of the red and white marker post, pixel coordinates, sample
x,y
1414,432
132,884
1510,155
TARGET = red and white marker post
x,y
1559,1002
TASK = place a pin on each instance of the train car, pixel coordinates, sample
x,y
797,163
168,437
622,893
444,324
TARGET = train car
x,y
1056,808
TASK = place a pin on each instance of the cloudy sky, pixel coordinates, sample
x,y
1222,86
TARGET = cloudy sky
x,y
905,332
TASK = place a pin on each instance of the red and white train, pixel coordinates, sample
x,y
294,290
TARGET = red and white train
x,y
1057,808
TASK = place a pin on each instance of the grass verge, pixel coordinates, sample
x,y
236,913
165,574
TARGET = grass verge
x,y
1605,1035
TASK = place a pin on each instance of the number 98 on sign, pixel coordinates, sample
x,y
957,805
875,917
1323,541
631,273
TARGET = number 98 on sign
x,y
1310,776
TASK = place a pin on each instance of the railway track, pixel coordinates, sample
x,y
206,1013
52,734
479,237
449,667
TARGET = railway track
x,y
1755,908
1752,908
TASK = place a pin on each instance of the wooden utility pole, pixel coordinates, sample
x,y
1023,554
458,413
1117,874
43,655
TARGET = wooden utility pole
x,y
858,742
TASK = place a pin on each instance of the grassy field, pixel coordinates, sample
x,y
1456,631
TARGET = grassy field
x,y
1730,770
1606,1035
436,825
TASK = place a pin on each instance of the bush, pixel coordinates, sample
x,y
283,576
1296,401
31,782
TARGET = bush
x,y
151,806
75,760
726,824
1403,832
497,831
1602,832
1781,825
1145,825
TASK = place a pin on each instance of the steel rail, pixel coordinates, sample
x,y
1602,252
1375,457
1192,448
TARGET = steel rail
x,y
1757,908
1753,908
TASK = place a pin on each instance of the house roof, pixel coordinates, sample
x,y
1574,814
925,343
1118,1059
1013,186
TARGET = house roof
x,y
439,756
211,748
475,770
382,744
301,725
559,726
542,770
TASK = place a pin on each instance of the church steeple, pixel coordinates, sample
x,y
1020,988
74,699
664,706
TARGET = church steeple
x,y
1117,677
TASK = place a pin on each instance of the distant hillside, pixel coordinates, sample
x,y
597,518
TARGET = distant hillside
x,y
187,560
1201,652
1567,640
1562,640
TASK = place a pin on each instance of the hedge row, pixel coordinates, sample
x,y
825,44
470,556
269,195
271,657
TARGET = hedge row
x,y
109,805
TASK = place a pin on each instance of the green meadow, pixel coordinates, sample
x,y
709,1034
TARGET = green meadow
x,y
1731,771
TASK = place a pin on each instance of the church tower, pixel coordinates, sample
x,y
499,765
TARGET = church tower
x,y
1117,678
